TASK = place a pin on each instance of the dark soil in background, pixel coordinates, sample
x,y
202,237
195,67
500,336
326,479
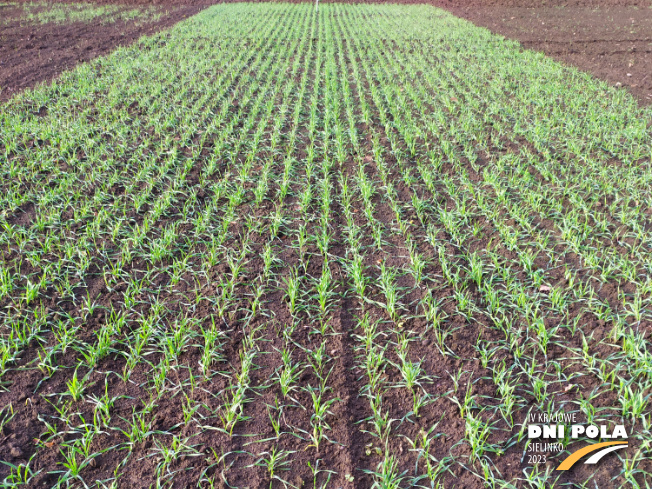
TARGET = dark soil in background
x,y
30,54
100,40
612,39
612,42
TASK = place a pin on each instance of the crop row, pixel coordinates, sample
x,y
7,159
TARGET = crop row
x,y
353,247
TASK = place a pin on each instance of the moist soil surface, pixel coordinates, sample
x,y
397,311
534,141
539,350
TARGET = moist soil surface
x,y
612,39
34,400
612,42
30,54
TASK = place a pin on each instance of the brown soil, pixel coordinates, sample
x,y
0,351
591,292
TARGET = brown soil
x,y
35,397
612,39
537,4
30,54
613,42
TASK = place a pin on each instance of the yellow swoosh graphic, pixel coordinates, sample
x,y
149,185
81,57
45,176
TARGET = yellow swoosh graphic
x,y
574,457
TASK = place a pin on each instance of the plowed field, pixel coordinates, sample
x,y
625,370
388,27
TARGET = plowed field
x,y
354,247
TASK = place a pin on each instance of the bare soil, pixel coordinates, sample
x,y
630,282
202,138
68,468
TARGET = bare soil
x,y
30,54
601,40
611,41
